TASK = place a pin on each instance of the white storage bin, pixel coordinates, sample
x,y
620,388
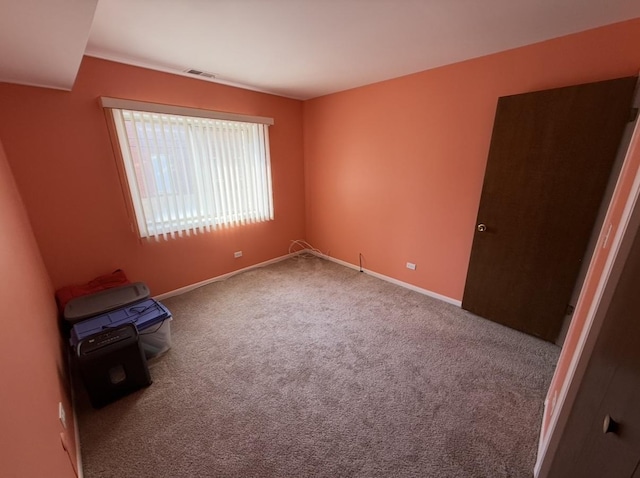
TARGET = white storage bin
x,y
156,339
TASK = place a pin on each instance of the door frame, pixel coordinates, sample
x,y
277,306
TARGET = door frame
x,y
619,247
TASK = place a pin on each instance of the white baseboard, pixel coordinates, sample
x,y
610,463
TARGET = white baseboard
x,y
406,285
188,288
383,277
76,430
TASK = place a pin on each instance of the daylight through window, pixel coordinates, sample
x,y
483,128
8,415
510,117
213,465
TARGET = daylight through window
x,y
190,174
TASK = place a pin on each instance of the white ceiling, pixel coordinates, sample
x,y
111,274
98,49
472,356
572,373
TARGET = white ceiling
x,y
295,48
42,41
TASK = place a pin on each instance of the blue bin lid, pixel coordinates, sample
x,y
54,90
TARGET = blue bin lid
x,y
143,314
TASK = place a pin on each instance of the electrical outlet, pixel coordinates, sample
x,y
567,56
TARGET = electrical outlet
x,y
411,265
237,254
62,415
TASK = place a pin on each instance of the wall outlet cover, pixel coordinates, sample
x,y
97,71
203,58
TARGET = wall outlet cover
x,y
62,415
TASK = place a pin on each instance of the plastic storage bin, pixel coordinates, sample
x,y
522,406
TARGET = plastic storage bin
x,y
151,318
156,339
91,305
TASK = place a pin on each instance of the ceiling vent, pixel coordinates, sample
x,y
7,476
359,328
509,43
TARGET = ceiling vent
x,y
204,74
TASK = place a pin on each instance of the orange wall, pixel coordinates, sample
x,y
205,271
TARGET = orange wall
x,y
394,170
59,148
32,375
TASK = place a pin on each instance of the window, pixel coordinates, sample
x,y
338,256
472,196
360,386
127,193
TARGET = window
x,y
193,173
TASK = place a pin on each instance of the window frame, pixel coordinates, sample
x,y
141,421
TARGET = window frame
x,y
130,185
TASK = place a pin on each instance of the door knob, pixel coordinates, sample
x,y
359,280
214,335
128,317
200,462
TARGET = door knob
x,y
482,228
609,425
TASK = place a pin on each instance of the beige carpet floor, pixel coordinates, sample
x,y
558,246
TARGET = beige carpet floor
x,y
306,368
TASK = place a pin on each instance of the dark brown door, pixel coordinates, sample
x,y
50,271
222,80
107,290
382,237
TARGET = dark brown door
x,y
549,162
610,387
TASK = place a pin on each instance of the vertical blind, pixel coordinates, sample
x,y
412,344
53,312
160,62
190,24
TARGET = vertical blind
x,y
191,174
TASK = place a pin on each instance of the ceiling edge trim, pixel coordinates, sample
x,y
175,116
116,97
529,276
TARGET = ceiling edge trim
x,y
175,71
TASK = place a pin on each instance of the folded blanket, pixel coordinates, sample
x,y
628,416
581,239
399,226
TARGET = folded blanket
x,y
107,281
